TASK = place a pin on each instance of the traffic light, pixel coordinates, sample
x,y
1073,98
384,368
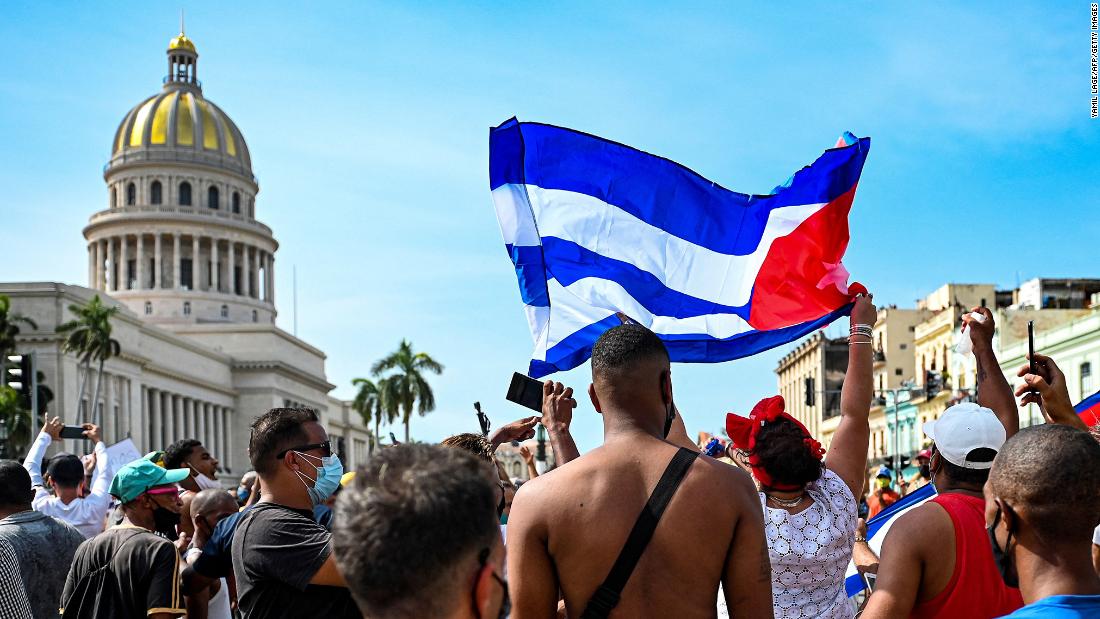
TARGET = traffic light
x,y
19,375
933,383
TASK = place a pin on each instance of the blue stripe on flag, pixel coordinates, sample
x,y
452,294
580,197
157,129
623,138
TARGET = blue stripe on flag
x,y
658,191
682,347
1087,403
531,272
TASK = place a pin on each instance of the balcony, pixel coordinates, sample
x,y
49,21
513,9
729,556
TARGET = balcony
x,y
878,356
154,211
942,322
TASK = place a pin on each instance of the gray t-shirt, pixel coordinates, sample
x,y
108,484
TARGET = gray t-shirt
x,y
44,547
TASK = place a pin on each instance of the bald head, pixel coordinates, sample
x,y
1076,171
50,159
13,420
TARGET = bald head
x,y
211,501
1051,474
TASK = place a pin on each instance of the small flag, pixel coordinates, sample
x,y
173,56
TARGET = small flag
x,y
879,526
597,229
1089,410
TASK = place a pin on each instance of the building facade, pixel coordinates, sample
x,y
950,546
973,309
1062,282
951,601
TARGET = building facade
x,y
180,251
810,379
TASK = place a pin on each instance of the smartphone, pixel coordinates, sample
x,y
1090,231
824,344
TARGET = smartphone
x,y
73,432
525,391
393,439
1033,367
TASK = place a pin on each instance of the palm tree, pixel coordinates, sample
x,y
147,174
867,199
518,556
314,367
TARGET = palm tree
x,y
374,401
89,337
407,381
9,328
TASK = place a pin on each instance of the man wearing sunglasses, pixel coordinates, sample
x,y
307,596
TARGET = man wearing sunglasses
x,y
282,559
128,570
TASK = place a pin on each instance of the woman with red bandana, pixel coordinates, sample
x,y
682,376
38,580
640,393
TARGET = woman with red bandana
x,y
810,504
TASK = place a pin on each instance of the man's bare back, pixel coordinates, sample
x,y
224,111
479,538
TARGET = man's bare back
x,y
567,528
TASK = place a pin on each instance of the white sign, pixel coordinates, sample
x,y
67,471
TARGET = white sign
x,y
119,455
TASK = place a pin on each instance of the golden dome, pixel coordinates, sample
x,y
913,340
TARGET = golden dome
x,y
181,42
179,124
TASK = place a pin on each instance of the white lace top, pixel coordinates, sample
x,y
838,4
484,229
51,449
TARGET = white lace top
x,y
810,551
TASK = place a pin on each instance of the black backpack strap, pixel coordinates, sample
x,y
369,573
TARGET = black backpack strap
x,y
607,595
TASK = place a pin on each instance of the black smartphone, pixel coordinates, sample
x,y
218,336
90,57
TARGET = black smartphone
x,y
525,391
72,432
1033,367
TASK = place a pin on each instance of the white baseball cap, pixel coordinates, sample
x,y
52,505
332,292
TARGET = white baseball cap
x,y
964,428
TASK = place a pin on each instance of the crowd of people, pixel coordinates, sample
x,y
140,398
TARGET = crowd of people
x,y
645,525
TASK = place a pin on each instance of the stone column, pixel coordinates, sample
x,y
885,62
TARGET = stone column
x,y
196,272
109,406
271,266
246,272
158,264
112,266
219,430
140,262
176,261
215,275
123,263
223,443
93,258
179,417
156,440
229,273
200,414
99,258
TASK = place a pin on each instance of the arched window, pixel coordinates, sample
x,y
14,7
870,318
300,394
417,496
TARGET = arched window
x,y
255,316
114,197
236,202
225,311
155,193
148,307
186,308
212,197
131,194
185,194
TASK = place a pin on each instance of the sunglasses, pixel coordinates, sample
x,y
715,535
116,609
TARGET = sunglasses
x,y
168,490
325,447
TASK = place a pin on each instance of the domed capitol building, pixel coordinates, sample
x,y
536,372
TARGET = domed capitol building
x,y
179,248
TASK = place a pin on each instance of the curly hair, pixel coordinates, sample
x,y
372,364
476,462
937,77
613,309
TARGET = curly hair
x,y
179,451
783,452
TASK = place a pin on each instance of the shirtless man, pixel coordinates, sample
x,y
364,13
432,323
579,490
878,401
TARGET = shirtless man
x,y
568,526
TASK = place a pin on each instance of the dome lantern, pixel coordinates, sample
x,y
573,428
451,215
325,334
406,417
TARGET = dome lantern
x,y
183,61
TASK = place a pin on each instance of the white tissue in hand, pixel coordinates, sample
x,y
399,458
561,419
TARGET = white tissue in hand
x,y
964,346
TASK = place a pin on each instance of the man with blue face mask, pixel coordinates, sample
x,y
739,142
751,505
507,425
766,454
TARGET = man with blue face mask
x,y
282,559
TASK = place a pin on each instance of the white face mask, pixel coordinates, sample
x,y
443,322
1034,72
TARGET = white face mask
x,y
205,482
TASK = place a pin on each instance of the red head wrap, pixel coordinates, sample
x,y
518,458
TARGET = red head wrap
x,y
742,433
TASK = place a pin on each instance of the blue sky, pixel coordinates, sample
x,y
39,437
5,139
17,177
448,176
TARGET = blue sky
x,y
368,126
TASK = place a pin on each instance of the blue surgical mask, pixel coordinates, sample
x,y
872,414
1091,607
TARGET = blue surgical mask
x,y
328,477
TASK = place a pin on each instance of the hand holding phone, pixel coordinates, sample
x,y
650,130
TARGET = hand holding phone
x,y
1033,366
72,432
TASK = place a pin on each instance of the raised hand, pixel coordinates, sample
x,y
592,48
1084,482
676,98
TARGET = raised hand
x,y
526,454
557,406
864,311
53,427
518,430
981,331
92,432
1047,388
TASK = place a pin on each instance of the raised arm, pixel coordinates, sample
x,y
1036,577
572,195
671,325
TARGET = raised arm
x,y
518,430
993,390
51,431
847,455
529,459
557,414
99,495
1048,389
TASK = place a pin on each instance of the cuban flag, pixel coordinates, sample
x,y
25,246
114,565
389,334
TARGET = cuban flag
x,y
599,231
1089,410
879,526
